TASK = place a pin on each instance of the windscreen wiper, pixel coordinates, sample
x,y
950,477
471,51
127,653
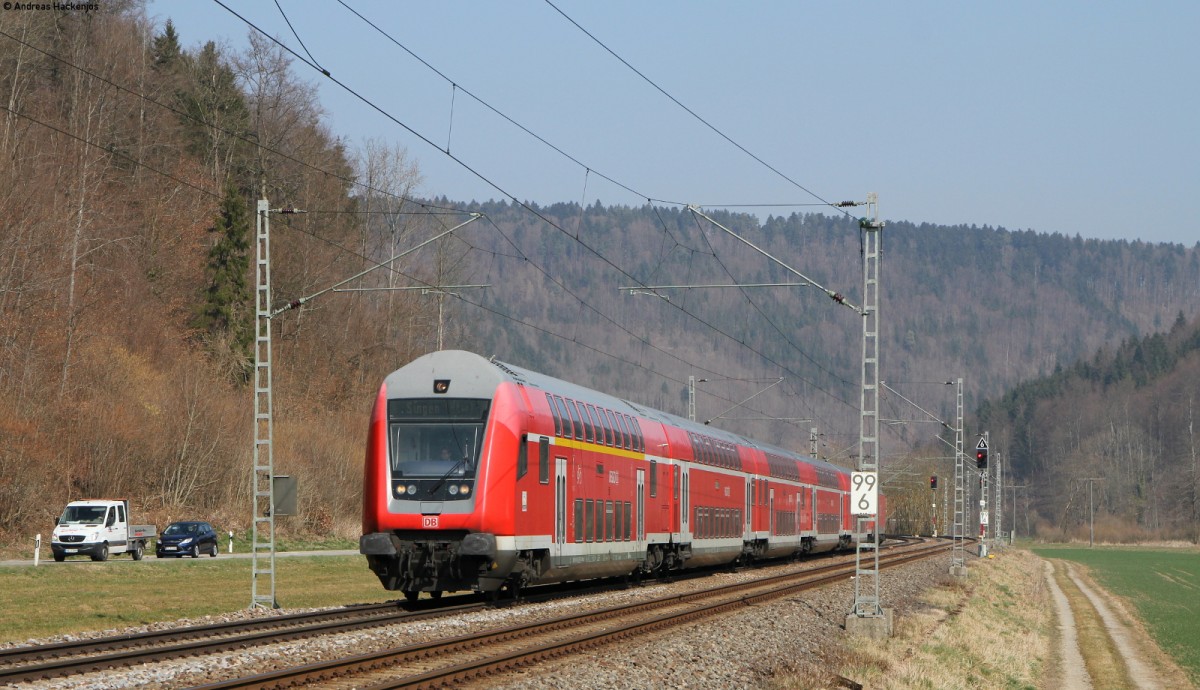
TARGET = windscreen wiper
x,y
438,484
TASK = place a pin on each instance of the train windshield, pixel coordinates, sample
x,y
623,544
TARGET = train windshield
x,y
435,440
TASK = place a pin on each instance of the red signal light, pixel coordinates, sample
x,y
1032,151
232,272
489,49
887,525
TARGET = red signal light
x,y
981,458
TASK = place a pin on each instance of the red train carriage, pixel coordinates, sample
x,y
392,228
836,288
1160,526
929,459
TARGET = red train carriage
x,y
481,475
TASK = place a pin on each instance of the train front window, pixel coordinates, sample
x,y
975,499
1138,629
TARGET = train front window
x,y
435,448
433,451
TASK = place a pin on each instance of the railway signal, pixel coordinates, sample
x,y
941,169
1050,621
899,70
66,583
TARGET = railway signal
x,y
933,481
981,455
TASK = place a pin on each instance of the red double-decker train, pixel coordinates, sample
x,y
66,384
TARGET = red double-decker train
x,y
485,476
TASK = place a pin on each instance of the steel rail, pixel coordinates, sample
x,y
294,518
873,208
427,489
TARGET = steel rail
x,y
424,653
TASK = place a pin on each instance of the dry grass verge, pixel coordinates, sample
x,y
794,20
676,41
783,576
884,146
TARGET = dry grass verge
x,y
993,630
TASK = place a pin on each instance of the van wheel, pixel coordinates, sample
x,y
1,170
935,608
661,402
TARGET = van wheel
x,y
102,554
137,552
59,557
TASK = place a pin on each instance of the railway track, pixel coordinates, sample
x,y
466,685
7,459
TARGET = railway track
x,y
449,661
45,662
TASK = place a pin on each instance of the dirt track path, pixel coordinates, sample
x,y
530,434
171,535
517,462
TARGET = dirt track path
x,y
1074,675
1129,641
1140,673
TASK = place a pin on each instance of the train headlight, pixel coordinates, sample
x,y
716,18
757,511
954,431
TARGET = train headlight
x,y
465,489
453,490
412,489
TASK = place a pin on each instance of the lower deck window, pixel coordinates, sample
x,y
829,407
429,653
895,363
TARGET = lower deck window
x,y
589,528
599,520
578,520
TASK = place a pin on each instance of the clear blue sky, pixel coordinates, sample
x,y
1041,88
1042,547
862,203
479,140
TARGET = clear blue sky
x,y
1071,117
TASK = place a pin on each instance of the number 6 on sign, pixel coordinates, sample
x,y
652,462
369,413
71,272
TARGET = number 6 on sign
x,y
864,493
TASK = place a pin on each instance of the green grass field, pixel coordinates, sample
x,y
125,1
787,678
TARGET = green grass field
x,y
1163,584
75,596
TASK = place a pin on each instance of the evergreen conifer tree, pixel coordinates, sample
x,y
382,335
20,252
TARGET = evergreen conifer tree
x,y
166,51
226,315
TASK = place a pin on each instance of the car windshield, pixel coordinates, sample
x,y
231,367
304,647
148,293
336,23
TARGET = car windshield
x,y
83,515
434,450
179,529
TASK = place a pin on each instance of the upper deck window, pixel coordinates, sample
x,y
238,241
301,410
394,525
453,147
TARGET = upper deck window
x,y
575,422
558,422
561,406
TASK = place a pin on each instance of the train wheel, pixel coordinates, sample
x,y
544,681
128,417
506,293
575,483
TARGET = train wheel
x,y
436,594
412,595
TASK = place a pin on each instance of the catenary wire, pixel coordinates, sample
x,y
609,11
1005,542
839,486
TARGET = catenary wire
x,y
693,113
498,188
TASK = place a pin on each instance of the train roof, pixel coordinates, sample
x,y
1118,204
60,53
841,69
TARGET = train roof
x,y
472,375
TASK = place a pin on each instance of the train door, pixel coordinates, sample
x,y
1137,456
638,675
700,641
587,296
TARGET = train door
x,y
746,530
560,505
799,511
641,505
771,512
677,527
812,509
685,535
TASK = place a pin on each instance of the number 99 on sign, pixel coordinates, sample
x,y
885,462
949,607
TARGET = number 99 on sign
x,y
864,493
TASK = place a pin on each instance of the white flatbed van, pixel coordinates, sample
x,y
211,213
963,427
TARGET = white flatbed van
x,y
99,528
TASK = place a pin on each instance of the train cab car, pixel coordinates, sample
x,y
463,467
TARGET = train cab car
x,y
485,476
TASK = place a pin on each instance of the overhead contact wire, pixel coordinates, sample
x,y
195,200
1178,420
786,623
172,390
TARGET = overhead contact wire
x,y
693,113
507,194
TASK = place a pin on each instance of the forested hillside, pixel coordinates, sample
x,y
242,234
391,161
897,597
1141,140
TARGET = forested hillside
x,y
133,156
130,166
992,306
1127,418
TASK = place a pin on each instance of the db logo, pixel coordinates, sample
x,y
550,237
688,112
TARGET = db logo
x,y
429,521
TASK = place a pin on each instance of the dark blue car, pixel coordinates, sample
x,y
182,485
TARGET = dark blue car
x,y
187,539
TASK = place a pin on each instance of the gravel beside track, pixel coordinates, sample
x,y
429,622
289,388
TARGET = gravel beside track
x,y
741,650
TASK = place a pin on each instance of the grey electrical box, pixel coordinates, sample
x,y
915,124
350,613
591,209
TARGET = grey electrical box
x,y
285,489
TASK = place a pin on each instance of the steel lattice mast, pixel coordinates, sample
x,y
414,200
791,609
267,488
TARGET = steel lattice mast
x,y
262,492
866,583
958,558
998,529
